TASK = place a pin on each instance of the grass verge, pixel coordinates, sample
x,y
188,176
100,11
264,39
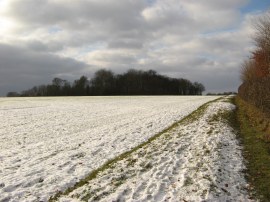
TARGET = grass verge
x,y
254,132
110,164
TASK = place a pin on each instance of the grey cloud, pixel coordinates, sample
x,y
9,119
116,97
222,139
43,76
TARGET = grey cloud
x,y
75,23
219,81
76,13
90,21
221,5
125,44
21,69
39,46
171,36
113,58
190,17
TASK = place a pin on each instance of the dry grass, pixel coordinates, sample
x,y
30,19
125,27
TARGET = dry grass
x,y
254,134
257,119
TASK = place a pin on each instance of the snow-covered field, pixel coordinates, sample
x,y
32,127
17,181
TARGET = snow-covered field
x,y
197,160
48,144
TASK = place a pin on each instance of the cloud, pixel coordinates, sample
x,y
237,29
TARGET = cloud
x,y
22,69
192,39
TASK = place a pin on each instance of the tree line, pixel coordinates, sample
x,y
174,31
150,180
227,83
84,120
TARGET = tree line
x,y
258,65
255,72
105,82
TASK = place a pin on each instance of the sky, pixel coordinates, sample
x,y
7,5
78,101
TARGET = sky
x,y
200,40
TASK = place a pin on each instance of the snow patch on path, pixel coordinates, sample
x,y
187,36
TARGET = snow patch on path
x,y
196,161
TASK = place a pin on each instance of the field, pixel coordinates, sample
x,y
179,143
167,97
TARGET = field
x,y
198,159
49,144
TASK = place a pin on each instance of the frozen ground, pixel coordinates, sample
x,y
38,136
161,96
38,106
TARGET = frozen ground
x,y
48,144
198,160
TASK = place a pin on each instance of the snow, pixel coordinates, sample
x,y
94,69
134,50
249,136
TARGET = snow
x,y
48,144
198,160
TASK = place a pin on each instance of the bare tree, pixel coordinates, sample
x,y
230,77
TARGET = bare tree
x,y
248,70
262,37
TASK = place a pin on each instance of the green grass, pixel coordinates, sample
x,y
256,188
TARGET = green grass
x,y
111,163
256,149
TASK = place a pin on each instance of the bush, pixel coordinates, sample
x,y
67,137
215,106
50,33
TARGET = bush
x,y
257,92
